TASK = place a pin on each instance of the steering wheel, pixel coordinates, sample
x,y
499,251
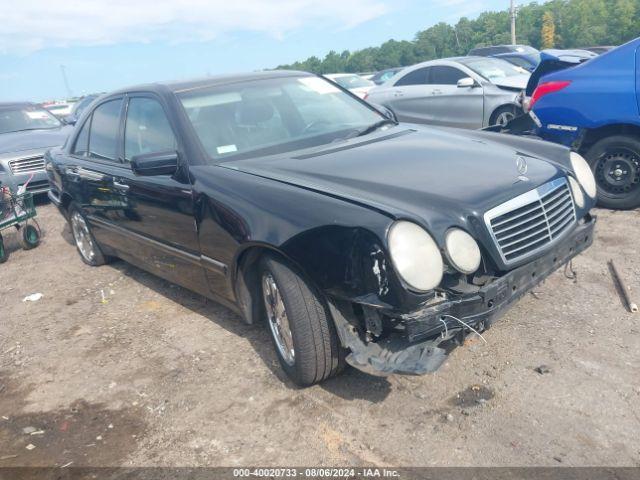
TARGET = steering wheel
x,y
312,125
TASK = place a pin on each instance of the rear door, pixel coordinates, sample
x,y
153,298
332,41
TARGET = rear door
x,y
453,106
410,95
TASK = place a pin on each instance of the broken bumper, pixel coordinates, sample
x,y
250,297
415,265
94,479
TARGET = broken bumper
x,y
431,333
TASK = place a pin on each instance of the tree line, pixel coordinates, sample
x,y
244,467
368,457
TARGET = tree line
x,y
554,24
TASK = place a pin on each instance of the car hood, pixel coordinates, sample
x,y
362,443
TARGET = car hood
x,y
517,82
420,172
33,139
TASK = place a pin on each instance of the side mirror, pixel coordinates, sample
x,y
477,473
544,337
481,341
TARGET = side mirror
x,y
386,111
467,82
151,164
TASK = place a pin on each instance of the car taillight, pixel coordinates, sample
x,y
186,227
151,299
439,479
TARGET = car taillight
x,y
545,89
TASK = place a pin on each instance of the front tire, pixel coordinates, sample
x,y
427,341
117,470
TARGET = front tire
x,y
615,162
503,115
301,328
86,244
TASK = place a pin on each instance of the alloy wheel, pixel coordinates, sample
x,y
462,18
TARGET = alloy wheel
x,y
82,237
277,318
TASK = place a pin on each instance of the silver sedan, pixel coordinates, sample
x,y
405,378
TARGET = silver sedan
x,y
464,92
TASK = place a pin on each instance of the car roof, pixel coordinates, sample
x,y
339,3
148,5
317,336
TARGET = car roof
x,y
196,84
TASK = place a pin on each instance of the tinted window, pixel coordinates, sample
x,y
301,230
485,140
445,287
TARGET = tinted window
x,y
416,77
82,142
104,131
445,75
147,129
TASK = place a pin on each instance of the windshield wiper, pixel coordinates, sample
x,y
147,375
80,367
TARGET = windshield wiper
x,y
367,130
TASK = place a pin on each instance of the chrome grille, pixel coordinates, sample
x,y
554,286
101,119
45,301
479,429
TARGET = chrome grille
x,y
27,164
526,224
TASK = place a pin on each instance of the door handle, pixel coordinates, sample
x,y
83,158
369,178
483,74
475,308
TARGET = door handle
x,y
120,186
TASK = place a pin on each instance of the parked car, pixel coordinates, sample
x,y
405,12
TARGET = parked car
x,y
464,92
352,82
498,49
26,131
59,109
283,197
527,61
383,75
594,108
79,107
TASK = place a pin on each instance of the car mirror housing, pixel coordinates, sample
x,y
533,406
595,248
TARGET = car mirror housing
x,y
152,164
466,82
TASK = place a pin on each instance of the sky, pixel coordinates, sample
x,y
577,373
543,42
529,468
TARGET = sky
x,y
103,45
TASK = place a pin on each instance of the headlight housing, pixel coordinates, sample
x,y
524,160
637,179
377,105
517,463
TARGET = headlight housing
x,y
584,174
462,251
415,255
578,196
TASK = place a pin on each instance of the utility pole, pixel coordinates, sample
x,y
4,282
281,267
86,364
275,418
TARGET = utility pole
x,y
66,82
513,13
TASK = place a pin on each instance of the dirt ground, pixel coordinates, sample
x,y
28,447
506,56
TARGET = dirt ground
x,y
114,367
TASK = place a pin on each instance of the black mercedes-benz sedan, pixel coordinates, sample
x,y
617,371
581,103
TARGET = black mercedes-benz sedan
x,y
358,240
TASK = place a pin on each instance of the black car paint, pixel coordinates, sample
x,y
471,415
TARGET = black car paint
x,y
327,209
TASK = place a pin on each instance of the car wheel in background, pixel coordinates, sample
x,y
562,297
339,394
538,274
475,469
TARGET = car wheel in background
x,y
504,115
4,255
301,328
615,162
85,242
30,236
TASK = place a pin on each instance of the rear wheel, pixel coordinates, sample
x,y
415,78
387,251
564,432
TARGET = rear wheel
x,y
301,328
85,242
615,162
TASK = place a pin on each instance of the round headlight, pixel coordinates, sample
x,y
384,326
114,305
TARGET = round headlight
x,y
415,255
462,251
584,174
578,196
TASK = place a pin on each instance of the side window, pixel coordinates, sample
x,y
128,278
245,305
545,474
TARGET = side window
x,y
104,131
81,148
147,129
416,77
444,75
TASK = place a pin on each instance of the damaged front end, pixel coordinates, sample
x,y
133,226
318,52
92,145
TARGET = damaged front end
x,y
384,340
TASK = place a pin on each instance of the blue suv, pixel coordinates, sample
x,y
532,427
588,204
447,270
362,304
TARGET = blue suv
x,y
594,108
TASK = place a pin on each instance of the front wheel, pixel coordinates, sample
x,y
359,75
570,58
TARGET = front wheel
x,y
615,162
503,115
301,328
85,242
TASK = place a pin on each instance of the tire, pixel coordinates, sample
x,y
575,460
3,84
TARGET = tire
x,y
615,162
317,353
86,244
503,115
4,255
30,237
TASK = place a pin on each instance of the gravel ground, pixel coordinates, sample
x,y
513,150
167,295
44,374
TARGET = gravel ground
x,y
115,367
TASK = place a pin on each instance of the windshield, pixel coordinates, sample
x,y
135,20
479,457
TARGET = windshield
x,y
264,117
492,68
352,81
27,117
